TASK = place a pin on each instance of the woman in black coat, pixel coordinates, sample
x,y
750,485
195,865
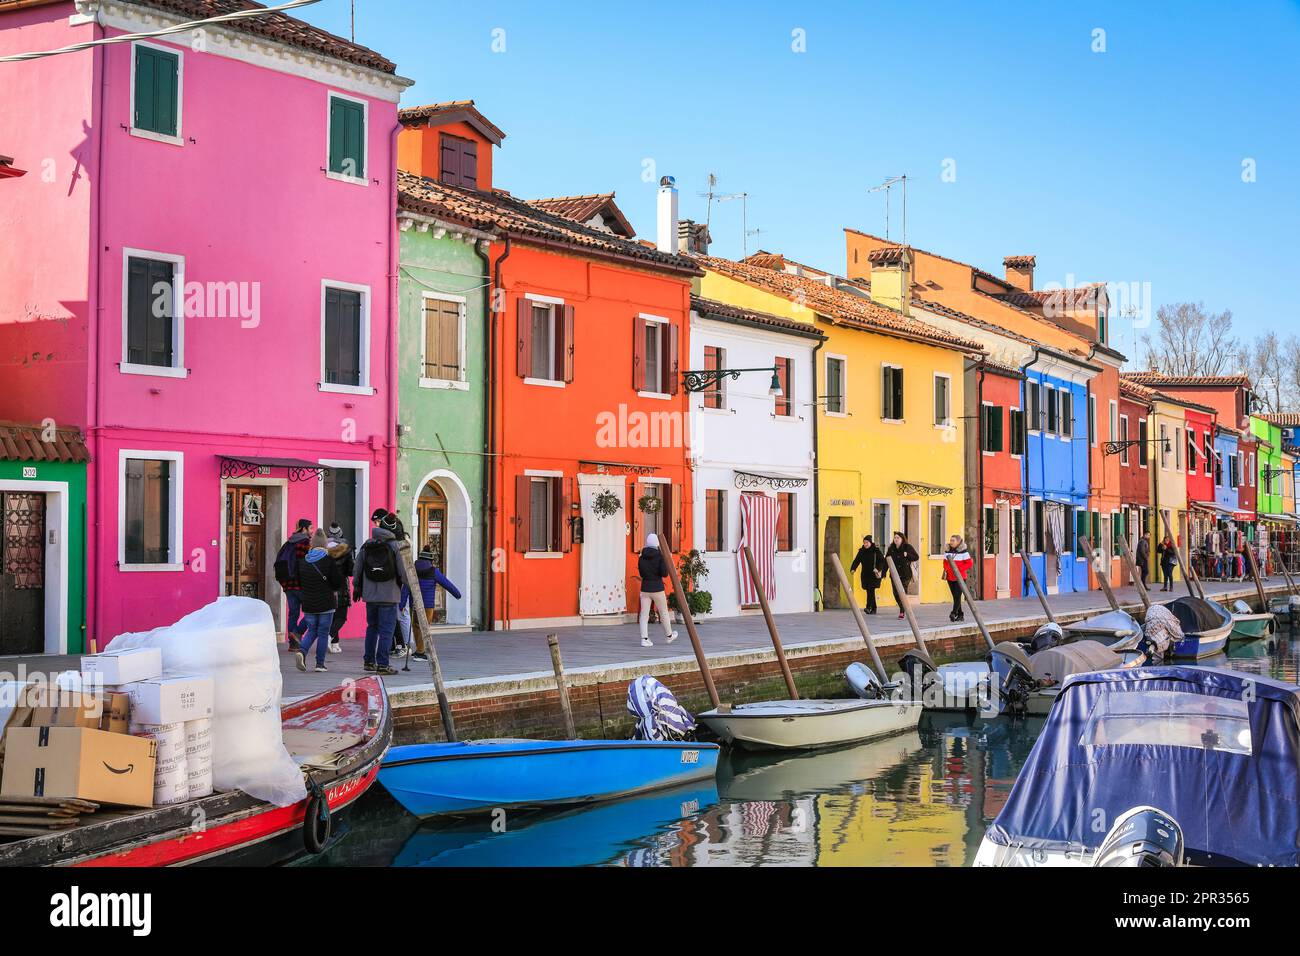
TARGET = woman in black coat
x,y
903,555
872,562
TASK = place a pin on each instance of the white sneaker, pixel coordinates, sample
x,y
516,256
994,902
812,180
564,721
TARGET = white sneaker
x,y
671,637
299,660
336,647
646,642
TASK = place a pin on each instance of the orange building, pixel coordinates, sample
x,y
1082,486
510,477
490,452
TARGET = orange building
x,y
588,422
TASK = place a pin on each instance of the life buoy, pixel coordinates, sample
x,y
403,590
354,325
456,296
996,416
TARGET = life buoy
x,y
316,821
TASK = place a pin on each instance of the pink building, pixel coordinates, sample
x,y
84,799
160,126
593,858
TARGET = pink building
x,y
199,274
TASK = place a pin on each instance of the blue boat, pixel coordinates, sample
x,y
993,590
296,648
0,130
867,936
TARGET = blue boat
x,y
482,775
1206,626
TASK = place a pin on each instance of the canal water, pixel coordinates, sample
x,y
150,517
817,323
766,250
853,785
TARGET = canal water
x,y
917,799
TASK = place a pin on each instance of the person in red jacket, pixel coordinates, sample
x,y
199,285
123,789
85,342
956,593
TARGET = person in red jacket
x,y
956,550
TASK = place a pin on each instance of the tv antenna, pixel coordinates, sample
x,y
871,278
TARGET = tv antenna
x,y
709,196
744,218
887,186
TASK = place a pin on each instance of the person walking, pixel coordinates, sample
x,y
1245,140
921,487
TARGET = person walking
x,y
1167,554
1143,558
341,550
652,566
287,558
872,561
375,581
402,630
903,554
956,551
319,578
429,577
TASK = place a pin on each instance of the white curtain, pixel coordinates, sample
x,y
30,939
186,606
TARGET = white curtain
x,y
604,548
1056,528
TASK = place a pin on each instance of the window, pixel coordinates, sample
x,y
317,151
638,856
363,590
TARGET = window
x,y
153,306
891,395
880,529
542,364
344,335
1053,412
1092,420
652,521
1164,446
1123,437
1234,470
1191,451
1218,471
545,344
541,523
339,502
444,330
1169,718
1017,530
1016,430
990,532
542,506
1114,421
654,358
938,528
1210,459
1081,530
991,432
150,510
458,161
1035,393
1178,448
1250,469
1036,525
347,138
1067,414
715,520
1116,531
835,385
942,400
785,521
1067,528
156,93
785,375
1144,451
714,394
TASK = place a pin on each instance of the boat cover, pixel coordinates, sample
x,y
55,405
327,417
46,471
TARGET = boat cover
x,y
1162,629
658,714
1057,663
1195,615
1113,623
1169,747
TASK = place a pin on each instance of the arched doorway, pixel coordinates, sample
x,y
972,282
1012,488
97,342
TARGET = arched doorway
x,y
442,523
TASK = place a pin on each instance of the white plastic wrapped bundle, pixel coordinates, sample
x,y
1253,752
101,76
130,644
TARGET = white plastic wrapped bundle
x,y
171,787
169,739
232,640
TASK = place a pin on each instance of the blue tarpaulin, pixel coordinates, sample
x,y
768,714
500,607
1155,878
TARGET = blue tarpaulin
x,y
1217,750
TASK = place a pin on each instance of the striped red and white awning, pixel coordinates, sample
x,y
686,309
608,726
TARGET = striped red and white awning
x,y
758,515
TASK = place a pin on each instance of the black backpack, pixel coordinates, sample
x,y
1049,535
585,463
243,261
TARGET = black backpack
x,y
286,562
378,563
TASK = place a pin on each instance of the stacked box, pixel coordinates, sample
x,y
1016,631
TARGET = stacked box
x,y
171,773
198,756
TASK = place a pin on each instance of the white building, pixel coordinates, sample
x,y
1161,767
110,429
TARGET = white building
x,y
746,441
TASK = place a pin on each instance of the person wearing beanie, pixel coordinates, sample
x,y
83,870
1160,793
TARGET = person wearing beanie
x,y
287,561
430,577
652,567
340,549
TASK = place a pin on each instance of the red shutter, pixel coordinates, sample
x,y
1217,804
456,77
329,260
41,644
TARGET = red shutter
x,y
671,360
523,486
634,492
675,520
567,343
524,336
638,354
563,515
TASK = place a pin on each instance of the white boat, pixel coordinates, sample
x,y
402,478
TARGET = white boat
x,y
809,724
748,778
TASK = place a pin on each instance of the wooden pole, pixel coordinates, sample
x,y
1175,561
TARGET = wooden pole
x,y
1038,587
858,617
553,641
1102,579
684,606
1285,573
1133,571
907,605
420,621
1178,553
970,602
771,623
1254,573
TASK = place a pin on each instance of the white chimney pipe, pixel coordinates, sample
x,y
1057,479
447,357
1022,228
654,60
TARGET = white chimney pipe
x,y
666,234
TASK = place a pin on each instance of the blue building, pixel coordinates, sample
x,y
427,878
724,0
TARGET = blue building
x,y
1227,470
1060,423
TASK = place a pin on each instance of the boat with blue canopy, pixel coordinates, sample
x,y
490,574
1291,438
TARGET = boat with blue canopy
x,y
1215,752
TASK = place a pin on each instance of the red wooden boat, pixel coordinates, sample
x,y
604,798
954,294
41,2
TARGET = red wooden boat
x,y
237,828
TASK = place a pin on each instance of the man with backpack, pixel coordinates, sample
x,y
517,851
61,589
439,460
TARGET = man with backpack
x,y
377,582
347,567
286,574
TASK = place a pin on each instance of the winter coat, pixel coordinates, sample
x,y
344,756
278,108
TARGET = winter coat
x,y
430,577
1143,556
903,557
652,566
377,592
874,569
961,557
1167,554
302,544
319,579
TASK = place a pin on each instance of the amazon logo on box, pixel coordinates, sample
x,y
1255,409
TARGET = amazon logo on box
x,y
78,762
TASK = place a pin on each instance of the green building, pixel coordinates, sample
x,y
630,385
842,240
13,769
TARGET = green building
x,y
43,539
1271,468
442,380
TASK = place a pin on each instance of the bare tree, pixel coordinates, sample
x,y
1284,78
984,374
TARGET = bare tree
x,y
1190,341
1266,363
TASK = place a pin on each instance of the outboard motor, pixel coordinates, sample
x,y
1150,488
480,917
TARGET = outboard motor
x,y
920,670
1142,836
1049,635
864,681
1014,676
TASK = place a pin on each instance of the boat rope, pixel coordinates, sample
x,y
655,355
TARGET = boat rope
x,y
316,820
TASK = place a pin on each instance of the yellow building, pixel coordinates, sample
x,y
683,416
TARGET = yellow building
x,y
1167,429
890,434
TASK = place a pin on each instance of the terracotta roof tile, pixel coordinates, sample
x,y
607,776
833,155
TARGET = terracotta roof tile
x,y
1077,299
712,307
584,208
496,211
1284,419
1173,381
22,442
450,112
1020,262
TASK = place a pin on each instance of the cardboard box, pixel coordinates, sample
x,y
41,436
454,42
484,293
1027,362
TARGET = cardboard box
x,y
16,703
78,762
124,667
68,709
117,712
167,700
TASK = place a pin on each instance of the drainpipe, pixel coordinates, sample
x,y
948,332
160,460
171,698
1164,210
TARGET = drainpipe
x,y
816,493
980,366
484,524
1024,465
94,468
490,497
390,439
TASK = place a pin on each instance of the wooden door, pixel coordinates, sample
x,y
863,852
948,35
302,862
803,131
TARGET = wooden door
x,y
246,541
431,535
22,573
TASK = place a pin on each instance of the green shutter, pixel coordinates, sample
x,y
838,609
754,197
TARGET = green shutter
x,y
157,87
347,138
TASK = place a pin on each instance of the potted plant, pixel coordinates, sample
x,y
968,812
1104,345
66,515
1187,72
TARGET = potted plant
x,y
606,504
692,569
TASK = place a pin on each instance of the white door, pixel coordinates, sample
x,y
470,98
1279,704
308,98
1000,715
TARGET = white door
x,y
912,529
1003,576
603,589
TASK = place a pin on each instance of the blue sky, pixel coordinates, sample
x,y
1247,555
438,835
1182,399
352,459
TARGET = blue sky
x,y
1123,165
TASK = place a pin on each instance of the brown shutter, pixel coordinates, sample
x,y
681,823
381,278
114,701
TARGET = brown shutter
x,y
670,362
789,386
523,485
563,515
524,336
469,164
634,492
675,519
638,354
567,343
449,163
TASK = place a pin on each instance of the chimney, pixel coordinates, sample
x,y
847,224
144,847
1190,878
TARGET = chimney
x,y
693,238
1020,272
666,234
891,277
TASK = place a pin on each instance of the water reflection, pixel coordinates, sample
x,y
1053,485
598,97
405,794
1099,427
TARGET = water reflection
x,y
917,799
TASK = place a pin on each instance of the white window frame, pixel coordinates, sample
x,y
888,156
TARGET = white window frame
x,y
531,473
177,369
726,519
1031,529
892,421
1050,406
364,388
983,435
929,514
650,319
888,505
1092,420
1064,425
947,419
1124,458
462,383
1162,439
555,302
362,180
175,508
1112,422
179,53
360,519
1033,426
844,382
1141,422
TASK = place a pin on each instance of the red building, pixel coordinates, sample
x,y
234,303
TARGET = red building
x,y
995,463
1135,460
